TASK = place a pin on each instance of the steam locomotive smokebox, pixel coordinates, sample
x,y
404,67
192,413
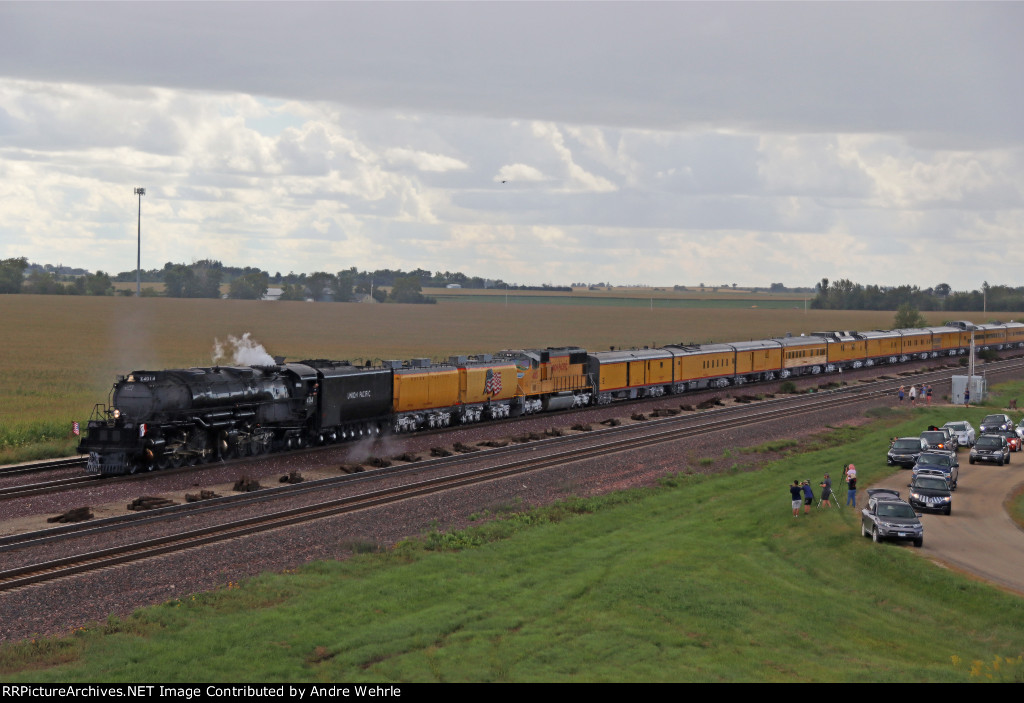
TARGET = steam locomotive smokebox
x,y
352,393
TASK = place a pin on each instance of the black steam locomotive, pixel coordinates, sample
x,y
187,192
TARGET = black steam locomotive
x,y
162,419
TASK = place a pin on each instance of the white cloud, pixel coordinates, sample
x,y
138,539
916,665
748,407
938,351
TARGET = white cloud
x,y
424,161
576,177
519,172
325,135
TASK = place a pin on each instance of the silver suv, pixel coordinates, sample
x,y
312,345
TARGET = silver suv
x,y
889,518
963,431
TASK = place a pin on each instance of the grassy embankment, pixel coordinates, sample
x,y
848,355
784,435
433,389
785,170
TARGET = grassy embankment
x,y
62,353
705,578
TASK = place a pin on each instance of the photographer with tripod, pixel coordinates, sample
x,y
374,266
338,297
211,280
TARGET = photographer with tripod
x,y
826,492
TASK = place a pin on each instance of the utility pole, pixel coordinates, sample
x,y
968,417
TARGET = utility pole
x,y
138,259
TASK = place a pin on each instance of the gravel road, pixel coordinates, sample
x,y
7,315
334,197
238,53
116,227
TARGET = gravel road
x,y
979,537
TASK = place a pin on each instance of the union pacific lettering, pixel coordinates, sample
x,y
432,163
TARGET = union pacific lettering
x,y
560,364
355,395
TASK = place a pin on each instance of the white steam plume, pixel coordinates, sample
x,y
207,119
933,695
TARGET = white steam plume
x,y
241,351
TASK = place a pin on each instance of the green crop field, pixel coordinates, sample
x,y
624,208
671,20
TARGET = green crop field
x,y
62,353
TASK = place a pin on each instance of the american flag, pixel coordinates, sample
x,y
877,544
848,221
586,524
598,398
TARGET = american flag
x,y
492,386
75,429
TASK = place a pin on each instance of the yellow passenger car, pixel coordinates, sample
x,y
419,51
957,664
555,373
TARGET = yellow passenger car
x,y
992,336
802,355
882,346
697,366
757,360
631,373
846,350
915,343
1015,334
948,341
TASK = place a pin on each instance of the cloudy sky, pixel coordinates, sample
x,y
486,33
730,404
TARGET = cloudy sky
x,y
539,142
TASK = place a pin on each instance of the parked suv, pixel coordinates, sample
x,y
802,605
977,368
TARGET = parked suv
x,y
888,517
991,447
938,462
904,451
939,439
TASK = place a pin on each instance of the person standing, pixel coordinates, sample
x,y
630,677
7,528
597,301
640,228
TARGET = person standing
x,y
928,393
851,485
901,394
808,496
826,491
967,395
913,395
794,493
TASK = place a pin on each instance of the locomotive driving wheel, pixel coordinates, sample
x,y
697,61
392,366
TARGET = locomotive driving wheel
x,y
196,447
262,443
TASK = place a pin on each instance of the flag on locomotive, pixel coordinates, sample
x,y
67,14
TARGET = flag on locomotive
x,y
492,386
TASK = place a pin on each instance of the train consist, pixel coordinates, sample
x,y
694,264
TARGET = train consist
x,y
160,419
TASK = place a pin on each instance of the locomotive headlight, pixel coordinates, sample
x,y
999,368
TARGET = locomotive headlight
x,y
117,413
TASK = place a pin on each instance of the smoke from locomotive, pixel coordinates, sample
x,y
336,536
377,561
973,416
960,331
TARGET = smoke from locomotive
x,y
242,351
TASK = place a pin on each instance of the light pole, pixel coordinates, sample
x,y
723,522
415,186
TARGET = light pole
x,y
138,260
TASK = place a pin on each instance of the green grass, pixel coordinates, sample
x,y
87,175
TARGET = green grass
x,y
704,578
774,446
1001,395
30,441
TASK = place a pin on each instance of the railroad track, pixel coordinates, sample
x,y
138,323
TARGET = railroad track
x,y
39,466
552,452
10,492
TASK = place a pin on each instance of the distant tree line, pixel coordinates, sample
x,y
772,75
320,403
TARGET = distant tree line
x,y
18,276
847,295
203,279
